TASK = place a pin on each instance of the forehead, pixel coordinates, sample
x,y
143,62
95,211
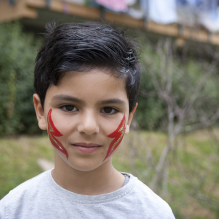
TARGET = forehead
x,y
97,83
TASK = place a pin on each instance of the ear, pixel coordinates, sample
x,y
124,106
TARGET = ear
x,y
130,119
39,112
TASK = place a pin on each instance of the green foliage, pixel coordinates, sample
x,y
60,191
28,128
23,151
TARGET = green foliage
x,y
161,62
17,54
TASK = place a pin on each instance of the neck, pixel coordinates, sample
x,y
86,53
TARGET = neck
x,y
102,180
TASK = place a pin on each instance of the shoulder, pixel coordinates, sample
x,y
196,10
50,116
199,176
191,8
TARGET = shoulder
x,y
25,191
28,186
146,198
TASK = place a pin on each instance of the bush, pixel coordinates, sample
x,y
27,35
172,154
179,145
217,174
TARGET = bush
x,y
187,72
17,54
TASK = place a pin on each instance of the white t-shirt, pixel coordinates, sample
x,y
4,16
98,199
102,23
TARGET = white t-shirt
x,y
42,198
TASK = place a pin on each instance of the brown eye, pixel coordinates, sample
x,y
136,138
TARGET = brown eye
x,y
69,108
109,110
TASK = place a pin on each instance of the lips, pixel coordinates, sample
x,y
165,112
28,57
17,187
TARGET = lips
x,y
86,148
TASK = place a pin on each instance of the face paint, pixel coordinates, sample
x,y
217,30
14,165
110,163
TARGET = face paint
x,y
118,135
53,131
133,111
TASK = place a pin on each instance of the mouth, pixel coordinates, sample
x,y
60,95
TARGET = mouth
x,y
86,148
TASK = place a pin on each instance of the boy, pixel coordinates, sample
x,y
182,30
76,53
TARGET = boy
x,y
86,81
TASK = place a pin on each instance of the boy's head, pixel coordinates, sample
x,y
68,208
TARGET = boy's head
x,y
86,80
83,47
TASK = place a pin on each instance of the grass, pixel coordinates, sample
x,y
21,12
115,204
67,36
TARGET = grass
x,y
18,160
193,187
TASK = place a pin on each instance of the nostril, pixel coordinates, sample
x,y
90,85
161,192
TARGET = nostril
x,y
88,126
88,130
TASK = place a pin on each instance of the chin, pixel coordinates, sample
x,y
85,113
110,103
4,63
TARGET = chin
x,y
84,167
79,164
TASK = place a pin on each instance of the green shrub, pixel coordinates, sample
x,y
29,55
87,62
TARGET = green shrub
x,y
158,61
17,54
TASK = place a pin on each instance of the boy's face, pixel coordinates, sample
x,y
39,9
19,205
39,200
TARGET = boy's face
x,y
86,116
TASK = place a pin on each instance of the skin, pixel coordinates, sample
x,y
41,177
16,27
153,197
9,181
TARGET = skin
x,y
53,132
117,136
86,109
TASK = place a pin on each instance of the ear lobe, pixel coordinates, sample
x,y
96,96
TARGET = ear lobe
x,y
130,119
127,129
39,112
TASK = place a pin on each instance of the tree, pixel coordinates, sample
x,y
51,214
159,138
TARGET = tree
x,y
17,54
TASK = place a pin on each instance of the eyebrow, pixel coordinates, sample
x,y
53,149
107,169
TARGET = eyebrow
x,y
76,100
67,98
113,101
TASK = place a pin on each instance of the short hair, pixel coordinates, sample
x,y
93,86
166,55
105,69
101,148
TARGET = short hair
x,y
82,47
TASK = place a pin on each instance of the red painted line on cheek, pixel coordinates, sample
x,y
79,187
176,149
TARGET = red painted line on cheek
x,y
52,132
118,135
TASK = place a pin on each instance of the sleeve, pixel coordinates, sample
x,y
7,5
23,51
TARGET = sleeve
x,y
2,210
3,214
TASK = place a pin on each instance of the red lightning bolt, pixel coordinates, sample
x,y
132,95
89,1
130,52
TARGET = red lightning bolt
x,y
118,135
53,131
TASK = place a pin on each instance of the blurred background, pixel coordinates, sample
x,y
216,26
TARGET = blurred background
x,y
174,143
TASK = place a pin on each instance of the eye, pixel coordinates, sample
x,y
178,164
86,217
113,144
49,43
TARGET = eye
x,y
69,108
109,110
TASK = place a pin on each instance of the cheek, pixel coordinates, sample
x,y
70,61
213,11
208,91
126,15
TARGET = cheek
x,y
53,133
117,137
64,127
65,124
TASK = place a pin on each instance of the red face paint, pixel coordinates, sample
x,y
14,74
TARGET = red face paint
x,y
53,131
118,135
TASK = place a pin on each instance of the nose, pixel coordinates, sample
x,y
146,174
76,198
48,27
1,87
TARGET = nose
x,y
88,124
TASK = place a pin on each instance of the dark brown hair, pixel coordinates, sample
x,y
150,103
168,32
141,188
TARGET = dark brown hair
x,y
82,47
